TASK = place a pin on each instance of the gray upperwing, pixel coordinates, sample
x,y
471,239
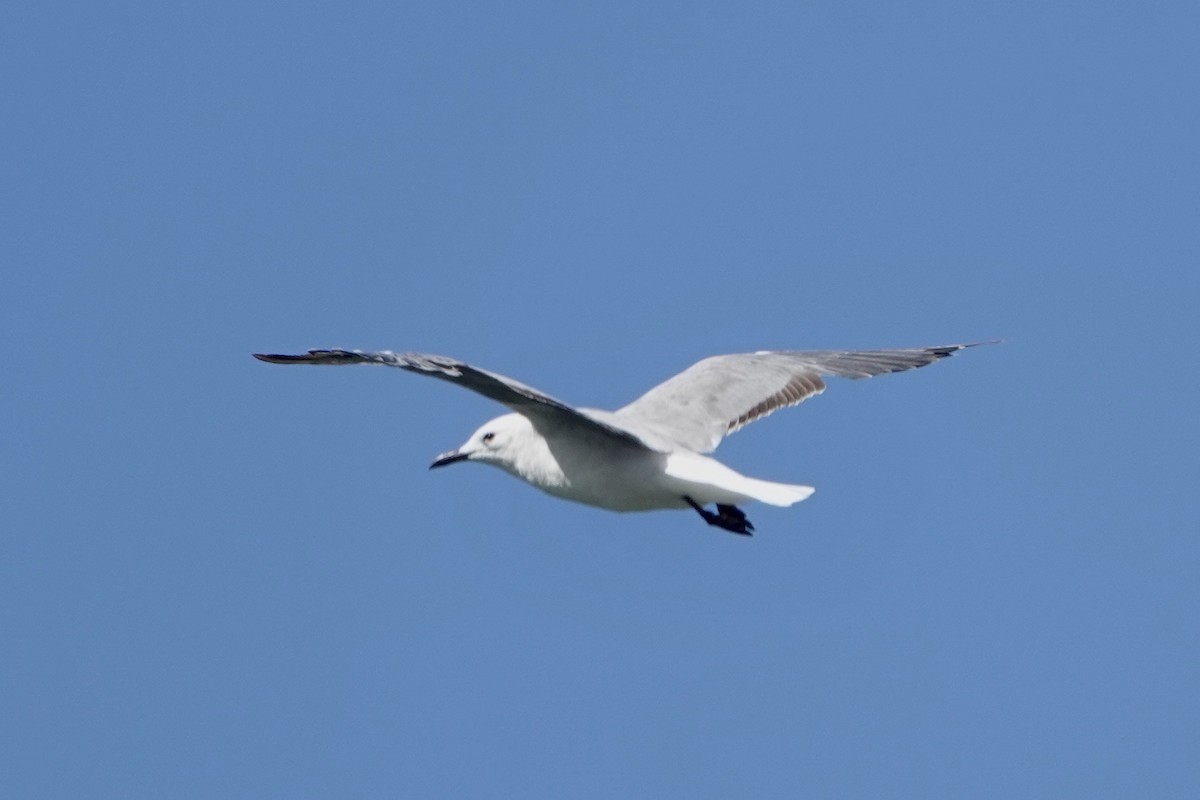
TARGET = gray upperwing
x,y
717,396
523,399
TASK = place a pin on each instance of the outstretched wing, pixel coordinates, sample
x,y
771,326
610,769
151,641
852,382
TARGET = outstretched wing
x,y
717,396
536,405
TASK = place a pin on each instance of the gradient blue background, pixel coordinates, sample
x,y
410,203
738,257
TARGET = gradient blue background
x,y
220,578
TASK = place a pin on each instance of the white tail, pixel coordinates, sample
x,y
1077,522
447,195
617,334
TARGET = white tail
x,y
776,494
708,472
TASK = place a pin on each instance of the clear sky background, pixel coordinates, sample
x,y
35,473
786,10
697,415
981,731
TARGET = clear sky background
x,y
220,578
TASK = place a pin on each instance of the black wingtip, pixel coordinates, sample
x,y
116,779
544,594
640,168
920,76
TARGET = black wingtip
x,y
279,358
314,357
951,349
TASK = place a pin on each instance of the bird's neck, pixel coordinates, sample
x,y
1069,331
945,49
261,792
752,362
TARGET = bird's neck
x,y
534,463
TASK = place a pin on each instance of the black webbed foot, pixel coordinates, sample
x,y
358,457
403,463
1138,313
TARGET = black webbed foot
x,y
731,518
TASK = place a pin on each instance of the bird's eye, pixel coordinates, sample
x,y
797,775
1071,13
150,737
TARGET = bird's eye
x,y
487,437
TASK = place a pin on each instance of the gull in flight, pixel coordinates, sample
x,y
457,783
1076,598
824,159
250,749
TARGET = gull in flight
x,y
653,453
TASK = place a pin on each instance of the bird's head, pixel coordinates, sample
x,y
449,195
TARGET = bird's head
x,y
500,442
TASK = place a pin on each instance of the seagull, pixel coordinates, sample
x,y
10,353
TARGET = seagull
x,y
653,453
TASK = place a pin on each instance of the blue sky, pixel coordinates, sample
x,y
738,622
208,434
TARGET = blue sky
x,y
224,579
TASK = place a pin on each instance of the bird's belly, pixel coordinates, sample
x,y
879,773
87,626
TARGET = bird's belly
x,y
618,480
616,497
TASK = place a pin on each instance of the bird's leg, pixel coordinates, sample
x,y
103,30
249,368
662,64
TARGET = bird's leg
x,y
731,518
734,519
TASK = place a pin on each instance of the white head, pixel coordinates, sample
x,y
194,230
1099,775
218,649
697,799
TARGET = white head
x,y
505,442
